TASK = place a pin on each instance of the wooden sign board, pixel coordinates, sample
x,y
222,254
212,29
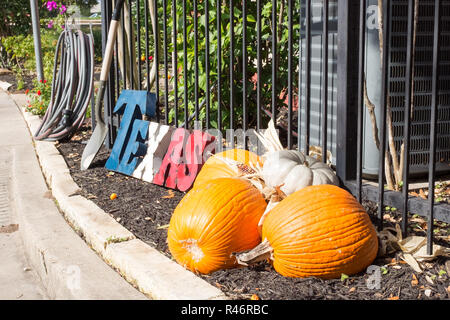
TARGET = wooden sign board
x,y
159,137
157,153
183,159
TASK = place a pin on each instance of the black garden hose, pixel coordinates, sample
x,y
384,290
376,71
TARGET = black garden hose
x,y
72,87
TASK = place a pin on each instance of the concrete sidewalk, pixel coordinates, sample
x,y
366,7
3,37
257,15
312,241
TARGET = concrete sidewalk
x,y
17,280
40,254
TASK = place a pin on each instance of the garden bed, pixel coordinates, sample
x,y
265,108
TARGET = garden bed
x,y
145,209
10,77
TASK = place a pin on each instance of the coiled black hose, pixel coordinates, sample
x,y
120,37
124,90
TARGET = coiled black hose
x,y
72,87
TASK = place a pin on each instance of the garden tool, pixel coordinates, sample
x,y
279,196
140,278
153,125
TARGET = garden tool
x,y
72,86
100,131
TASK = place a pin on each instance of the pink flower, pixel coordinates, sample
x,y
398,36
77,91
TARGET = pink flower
x,y
51,5
62,9
50,24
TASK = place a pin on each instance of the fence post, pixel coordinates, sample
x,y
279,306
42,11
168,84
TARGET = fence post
x,y
106,9
37,38
347,93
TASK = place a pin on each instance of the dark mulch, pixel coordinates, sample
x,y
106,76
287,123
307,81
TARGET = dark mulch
x,y
145,210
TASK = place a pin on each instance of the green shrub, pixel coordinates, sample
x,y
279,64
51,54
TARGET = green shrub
x,y
237,65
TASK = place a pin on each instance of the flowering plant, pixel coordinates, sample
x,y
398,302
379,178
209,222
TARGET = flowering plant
x,y
58,11
38,97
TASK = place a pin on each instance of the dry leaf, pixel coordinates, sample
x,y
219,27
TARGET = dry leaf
x,y
412,262
254,297
418,220
352,289
170,194
414,281
414,248
9,228
388,217
393,298
272,203
422,194
165,226
429,280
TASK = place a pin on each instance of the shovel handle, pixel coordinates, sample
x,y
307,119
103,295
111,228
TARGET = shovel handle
x,y
106,65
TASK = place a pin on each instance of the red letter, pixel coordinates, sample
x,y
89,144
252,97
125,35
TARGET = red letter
x,y
193,155
171,160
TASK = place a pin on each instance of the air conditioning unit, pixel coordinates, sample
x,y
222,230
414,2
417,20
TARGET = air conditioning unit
x,y
420,124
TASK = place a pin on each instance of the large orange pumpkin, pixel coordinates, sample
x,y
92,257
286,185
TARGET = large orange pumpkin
x,y
319,231
214,167
213,221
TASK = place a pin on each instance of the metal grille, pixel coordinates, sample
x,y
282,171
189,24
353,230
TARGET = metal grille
x,y
423,77
420,126
328,71
317,70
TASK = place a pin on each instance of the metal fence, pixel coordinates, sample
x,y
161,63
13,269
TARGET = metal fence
x,y
316,67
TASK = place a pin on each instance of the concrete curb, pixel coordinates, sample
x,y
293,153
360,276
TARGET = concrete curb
x,y
153,273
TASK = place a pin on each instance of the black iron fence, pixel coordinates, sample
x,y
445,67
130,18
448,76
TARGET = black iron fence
x,y
369,84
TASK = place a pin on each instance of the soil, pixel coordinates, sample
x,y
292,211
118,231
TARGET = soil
x,y
12,79
145,209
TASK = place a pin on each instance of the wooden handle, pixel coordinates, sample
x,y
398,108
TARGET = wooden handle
x,y
109,50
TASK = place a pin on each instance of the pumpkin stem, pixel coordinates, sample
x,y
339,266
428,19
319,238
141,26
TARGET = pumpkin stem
x,y
262,251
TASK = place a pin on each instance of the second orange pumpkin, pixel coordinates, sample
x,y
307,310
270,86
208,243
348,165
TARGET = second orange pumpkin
x,y
319,231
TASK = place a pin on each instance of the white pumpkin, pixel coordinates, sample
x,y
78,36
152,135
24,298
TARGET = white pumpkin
x,y
292,170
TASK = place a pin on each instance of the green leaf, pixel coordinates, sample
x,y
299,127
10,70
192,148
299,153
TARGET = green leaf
x,y
384,270
343,277
251,18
